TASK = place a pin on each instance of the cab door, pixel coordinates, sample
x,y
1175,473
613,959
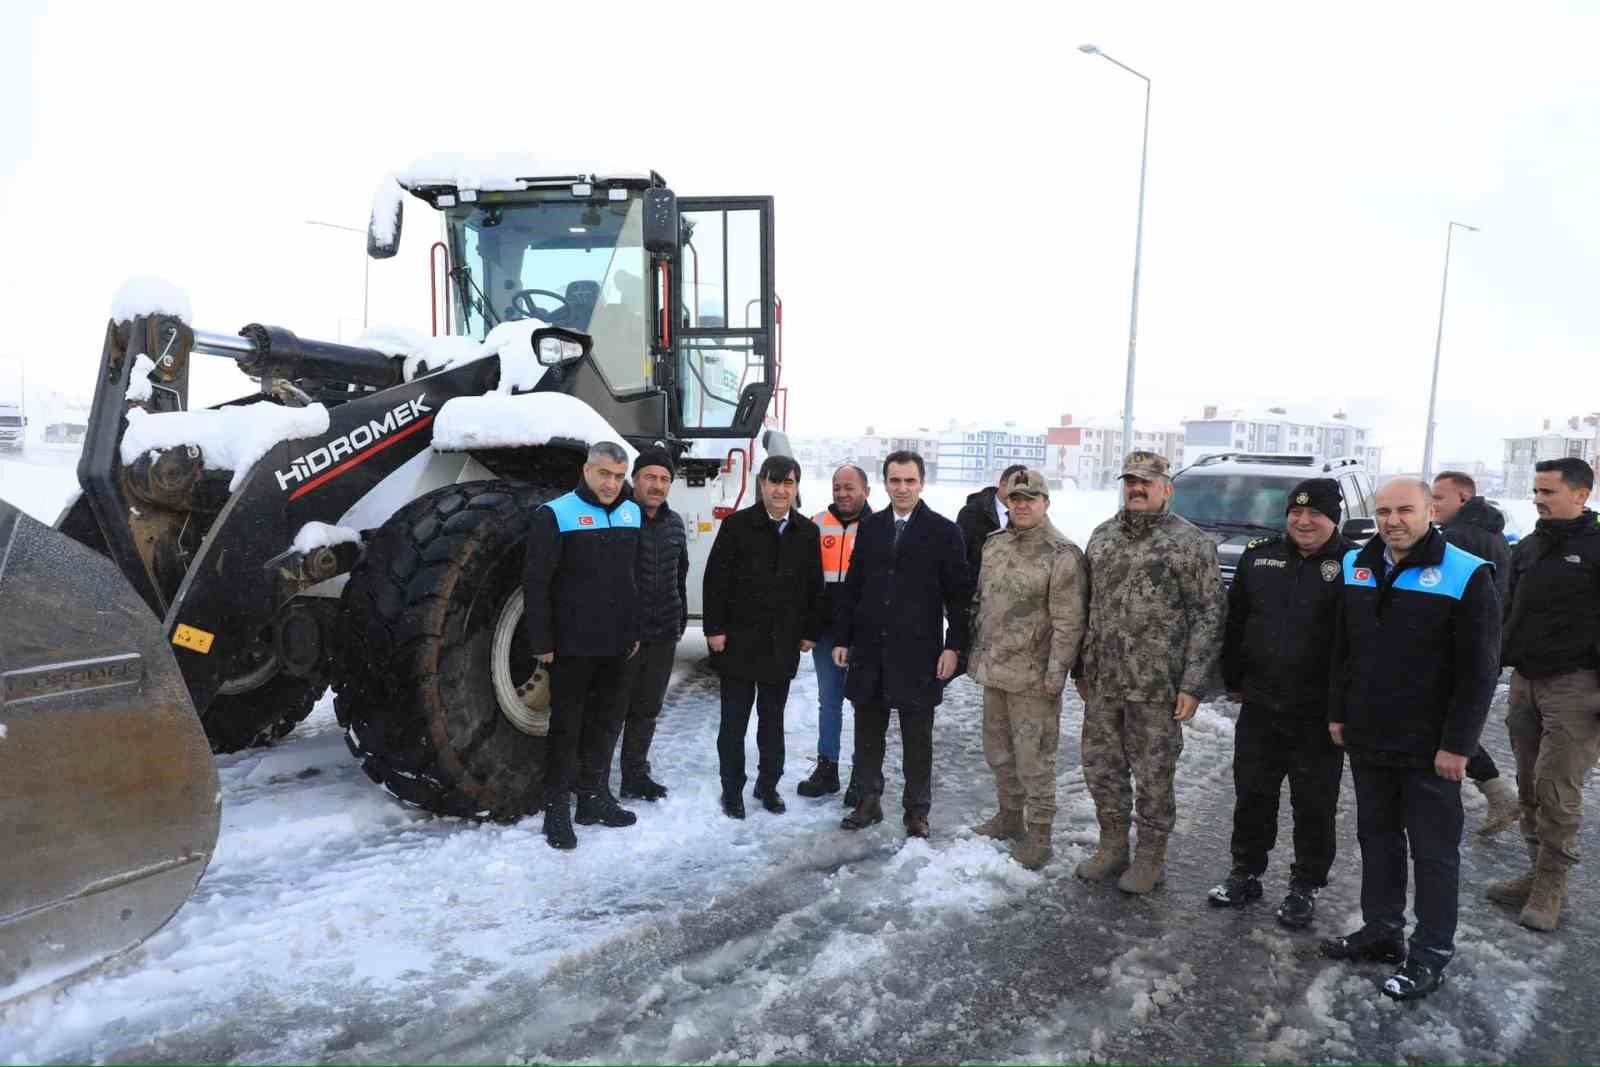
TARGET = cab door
x,y
724,317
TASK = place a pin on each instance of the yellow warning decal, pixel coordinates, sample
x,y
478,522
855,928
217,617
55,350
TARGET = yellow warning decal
x,y
705,527
192,639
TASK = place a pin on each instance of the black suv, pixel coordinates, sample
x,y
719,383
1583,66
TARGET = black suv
x,y
1239,496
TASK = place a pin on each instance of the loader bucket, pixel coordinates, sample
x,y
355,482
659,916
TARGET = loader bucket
x,y
108,796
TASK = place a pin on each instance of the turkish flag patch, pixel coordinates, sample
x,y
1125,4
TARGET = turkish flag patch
x,y
585,520
1363,575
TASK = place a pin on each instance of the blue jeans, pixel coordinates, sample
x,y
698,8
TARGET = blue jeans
x,y
830,699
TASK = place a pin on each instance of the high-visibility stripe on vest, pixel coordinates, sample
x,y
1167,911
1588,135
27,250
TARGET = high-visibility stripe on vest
x,y
838,544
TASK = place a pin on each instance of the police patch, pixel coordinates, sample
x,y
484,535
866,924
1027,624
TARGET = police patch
x,y
1330,570
1303,499
1429,577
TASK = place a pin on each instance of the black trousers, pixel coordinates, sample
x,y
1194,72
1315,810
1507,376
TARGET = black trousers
x,y
1480,766
916,735
737,697
585,705
644,687
1269,746
1400,806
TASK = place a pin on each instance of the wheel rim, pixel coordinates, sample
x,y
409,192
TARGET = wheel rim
x,y
521,684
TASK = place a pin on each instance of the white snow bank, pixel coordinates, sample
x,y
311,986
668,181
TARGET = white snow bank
x,y
146,294
314,535
139,388
230,439
2,731
501,420
500,171
511,341
387,199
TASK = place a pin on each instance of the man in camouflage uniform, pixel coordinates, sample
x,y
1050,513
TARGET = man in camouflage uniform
x,y
1028,622
1155,634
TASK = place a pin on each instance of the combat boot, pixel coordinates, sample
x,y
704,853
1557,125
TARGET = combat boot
x,y
599,806
558,823
1504,807
824,779
642,787
1547,895
1034,851
1006,826
1110,858
1514,891
1149,864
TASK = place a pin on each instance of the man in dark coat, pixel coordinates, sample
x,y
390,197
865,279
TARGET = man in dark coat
x,y
661,577
580,612
983,514
908,579
1416,657
763,585
1472,524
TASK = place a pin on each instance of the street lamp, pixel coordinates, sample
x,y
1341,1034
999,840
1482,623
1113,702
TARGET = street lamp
x,y
1433,393
1138,244
366,264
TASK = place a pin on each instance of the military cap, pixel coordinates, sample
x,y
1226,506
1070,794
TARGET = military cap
x,y
1144,465
1028,483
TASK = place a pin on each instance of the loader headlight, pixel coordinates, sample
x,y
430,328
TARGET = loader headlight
x,y
554,346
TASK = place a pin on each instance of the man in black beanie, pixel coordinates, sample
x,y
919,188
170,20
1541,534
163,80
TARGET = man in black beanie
x,y
661,573
1275,659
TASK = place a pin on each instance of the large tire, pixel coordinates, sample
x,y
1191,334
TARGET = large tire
x,y
262,715
418,696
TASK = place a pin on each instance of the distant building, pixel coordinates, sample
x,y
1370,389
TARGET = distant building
x,y
1089,453
1276,430
1577,438
1489,480
873,447
977,453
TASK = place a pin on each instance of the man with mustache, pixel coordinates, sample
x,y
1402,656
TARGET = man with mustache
x,y
1553,641
1156,613
1416,657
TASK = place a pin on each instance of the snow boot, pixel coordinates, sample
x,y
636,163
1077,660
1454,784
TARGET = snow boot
x,y
824,779
852,792
916,826
869,811
1413,981
733,802
558,823
1370,943
1110,858
1149,863
768,795
1006,826
1299,906
599,806
1548,893
1514,891
643,788
1035,850
1235,891
1504,806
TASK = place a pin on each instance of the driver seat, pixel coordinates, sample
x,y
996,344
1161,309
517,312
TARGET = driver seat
x,y
581,298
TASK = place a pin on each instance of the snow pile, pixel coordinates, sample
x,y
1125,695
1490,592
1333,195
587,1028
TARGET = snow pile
x,y
139,387
511,341
230,438
387,201
499,421
315,535
504,171
146,294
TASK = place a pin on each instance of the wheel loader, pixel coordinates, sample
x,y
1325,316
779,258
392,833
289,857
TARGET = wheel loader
x,y
202,592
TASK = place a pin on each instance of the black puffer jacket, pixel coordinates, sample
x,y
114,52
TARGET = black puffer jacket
x,y
662,576
1281,610
1553,624
1479,528
977,520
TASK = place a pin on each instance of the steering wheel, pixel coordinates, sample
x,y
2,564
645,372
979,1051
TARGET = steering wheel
x,y
523,307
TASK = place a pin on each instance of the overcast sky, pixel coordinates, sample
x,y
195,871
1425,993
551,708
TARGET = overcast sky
x,y
956,187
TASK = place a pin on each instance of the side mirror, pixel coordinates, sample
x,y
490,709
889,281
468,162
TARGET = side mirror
x,y
553,346
1359,529
661,222
383,225
752,407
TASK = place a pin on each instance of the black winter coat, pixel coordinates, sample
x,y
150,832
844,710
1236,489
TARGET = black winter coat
x,y
895,604
978,519
1281,610
762,591
1416,653
662,576
1479,528
579,597
1553,621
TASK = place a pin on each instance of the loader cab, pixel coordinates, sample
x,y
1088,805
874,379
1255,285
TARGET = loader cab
x,y
676,293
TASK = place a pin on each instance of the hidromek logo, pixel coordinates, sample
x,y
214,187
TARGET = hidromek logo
x,y
320,459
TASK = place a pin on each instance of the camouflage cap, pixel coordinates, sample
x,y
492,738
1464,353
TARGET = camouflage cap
x,y
1146,466
1028,483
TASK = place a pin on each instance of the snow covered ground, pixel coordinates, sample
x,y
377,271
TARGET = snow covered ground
x,y
336,925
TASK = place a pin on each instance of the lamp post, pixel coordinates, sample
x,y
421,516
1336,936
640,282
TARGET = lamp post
x,y
366,264
1438,340
1138,245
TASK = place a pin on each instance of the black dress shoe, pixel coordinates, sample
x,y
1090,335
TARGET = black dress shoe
x,y
733,805
867,812
1367,943
1412,981
768,795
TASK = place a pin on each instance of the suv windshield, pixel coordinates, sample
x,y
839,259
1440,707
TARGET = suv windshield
x,y
573,263
1232,498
